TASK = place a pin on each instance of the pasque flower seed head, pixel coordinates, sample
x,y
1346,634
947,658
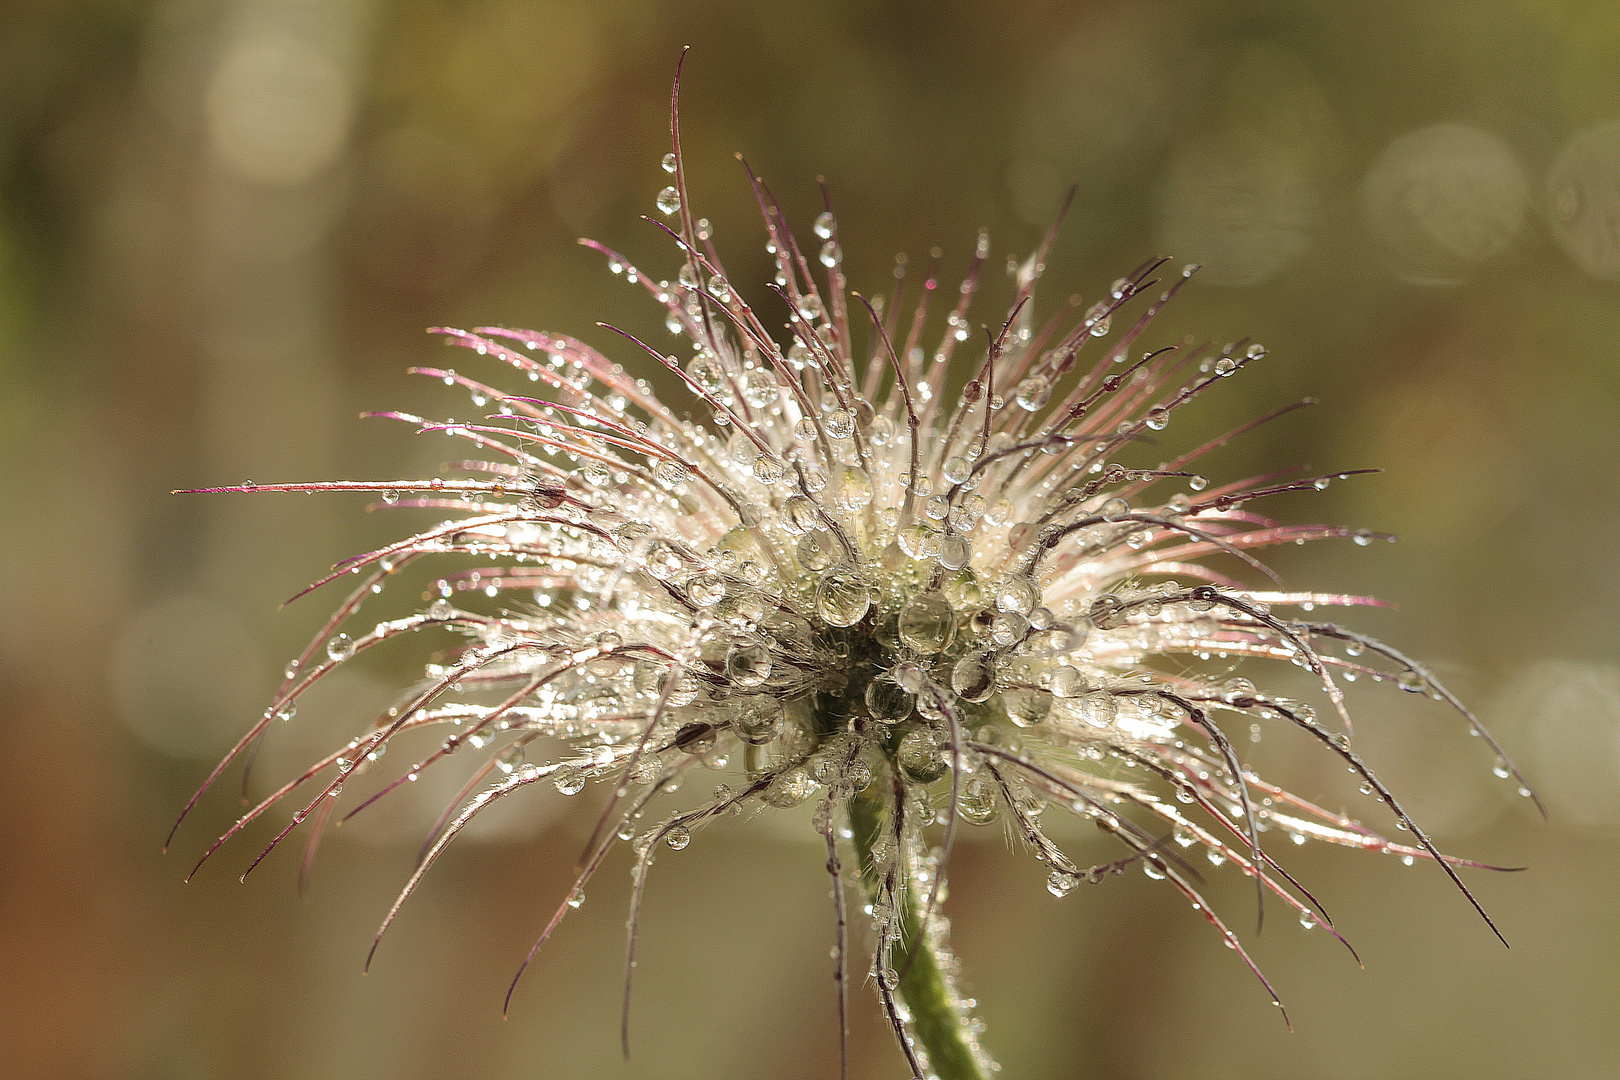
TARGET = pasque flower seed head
x,y
919,582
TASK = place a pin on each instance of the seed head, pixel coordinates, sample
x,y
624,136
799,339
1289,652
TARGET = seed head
x,y
917,581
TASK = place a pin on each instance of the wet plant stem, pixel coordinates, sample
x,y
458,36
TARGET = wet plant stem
x,y
937,1019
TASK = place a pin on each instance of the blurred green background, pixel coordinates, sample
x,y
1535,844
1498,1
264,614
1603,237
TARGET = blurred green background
x,y
225,223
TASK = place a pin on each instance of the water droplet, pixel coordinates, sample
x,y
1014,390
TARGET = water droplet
x,y
1061,883
748,664
339,647
767,470
668,164
1158,419
789,788
851,488
976,804
831,254
1064,682
685,688
671,473
1236,690
1033,393
678,837
974,676
799,515
1412,682
1028,707
842,597
663,561
1114,509
570,781
758,720
815,550
954,552
927,624
1016,594
1098,708
1008,627
887,701
920,757
839,423
824,225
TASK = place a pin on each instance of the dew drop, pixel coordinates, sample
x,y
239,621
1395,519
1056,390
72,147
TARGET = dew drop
x,y
1063,682
749,664
927,624
842,597
1016,594
851,487
919,756
758,721
339,647
789,788
976,804
799,515
954,552
887,701
974,676
1098,708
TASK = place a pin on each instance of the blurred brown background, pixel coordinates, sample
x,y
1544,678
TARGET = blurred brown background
x,y
225,223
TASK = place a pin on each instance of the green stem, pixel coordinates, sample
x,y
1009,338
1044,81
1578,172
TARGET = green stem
x,y
938,1019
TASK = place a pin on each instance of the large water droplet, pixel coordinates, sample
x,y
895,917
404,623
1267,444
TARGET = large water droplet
x,y
748,664
790,788
1098,708
954,552
815,550
974,676
842,597
758,720
887,701
1016,594
927,624
663,561
799,515
851,488
706,589
919,756
976,804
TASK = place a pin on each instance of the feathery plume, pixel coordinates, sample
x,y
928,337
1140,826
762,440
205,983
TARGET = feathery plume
x,y
918,587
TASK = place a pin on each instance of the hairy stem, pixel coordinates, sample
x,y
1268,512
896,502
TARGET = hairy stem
x,y
938,1019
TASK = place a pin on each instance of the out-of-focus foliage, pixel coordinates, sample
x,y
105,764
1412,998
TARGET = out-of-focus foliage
x,y
224,224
